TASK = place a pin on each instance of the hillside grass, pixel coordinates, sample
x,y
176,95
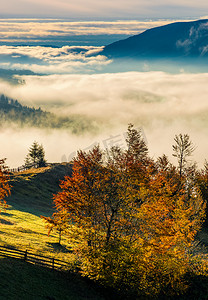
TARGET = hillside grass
x,y
21,226
22,230
32,190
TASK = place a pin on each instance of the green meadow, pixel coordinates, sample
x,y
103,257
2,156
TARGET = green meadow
x,y
31,197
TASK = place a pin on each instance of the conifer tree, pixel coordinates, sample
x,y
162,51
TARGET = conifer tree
x,y
35,156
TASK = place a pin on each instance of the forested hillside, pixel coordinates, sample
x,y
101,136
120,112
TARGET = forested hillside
x,y
12,111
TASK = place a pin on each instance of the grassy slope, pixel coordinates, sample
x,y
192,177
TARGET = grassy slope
x,y
22,228
33,189
21,225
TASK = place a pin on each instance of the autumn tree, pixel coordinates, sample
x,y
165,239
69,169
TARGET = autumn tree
x,y
5,188
136,144
133,223
182,149
201,179
59,222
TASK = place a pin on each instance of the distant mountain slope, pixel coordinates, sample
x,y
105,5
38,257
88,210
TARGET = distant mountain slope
x,y
177,40
12,111
10,75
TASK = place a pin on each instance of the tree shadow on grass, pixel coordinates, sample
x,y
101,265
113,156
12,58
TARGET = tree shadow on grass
x,y
23,281
60,248
6,222
6,214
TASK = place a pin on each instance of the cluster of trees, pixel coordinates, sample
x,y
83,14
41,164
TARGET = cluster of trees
x,y
135,219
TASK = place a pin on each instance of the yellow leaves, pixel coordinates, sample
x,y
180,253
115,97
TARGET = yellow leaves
x,y
5,188
199,264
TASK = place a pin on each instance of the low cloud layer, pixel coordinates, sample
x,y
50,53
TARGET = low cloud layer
x,y
161,104
48,60
64,32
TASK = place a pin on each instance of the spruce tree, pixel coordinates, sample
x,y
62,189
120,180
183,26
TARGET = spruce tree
x,y
35,156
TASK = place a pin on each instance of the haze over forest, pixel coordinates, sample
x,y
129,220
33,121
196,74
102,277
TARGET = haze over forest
x,y
58,65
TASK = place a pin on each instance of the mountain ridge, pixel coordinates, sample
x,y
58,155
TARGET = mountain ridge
x,y
175,40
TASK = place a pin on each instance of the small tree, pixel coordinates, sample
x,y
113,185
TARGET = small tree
x,y
59,222
5,187
182,149
36,156
27,162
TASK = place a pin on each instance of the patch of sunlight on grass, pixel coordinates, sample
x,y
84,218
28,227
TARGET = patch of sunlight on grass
x,y
32,170
23,230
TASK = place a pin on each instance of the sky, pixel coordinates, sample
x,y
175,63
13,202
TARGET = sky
x,y
105,9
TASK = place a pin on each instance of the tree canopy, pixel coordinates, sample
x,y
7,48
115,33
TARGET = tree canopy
x,y
135,219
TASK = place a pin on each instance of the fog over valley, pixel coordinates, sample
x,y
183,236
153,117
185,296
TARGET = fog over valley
x,y
162,104
88,97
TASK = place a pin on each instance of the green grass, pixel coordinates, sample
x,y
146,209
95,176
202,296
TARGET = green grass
x,y
203,237
33,189
21,226
22,230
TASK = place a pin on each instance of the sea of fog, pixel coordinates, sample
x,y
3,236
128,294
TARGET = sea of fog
x,y
77,80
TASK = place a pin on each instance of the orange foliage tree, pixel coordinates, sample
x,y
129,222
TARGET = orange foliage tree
x,y
134,219
59,222
4,184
